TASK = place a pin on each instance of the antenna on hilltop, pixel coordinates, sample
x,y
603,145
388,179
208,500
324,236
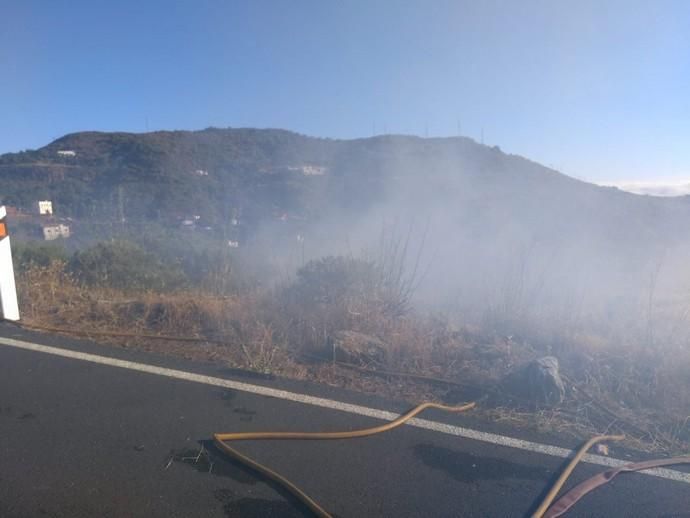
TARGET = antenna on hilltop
x,y
482,135
459,128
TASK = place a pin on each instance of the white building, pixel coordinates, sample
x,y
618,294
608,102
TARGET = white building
x,y
313,170
66,152
309,170
45,207
51,232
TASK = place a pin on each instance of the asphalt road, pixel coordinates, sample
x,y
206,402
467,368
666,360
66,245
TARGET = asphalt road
x,y
79,439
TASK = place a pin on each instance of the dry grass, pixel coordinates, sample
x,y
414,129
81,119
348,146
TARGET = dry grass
x,y
227,328
612,386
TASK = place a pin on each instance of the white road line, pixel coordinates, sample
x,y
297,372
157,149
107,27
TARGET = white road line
x,y
435,426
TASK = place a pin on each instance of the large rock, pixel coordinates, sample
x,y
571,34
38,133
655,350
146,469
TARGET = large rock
x,y
357,348
538,383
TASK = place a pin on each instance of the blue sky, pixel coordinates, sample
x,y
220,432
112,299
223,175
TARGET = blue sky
x,y
597,89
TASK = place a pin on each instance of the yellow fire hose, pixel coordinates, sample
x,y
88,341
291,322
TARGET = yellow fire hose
x,y
545,509
221,439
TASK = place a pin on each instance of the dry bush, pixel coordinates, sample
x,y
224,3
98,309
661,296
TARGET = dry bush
x,y
330,294
370,294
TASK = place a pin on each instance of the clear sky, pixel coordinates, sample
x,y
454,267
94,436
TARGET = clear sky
x,y
598,89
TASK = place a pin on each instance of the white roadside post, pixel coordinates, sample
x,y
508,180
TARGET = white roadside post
x,y
8,290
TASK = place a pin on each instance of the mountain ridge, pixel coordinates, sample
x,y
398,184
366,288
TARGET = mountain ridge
x,y
217,172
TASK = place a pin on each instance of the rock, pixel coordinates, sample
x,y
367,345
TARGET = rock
x,y
357,348
538,383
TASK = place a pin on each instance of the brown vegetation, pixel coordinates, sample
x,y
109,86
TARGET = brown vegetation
x,y
290,331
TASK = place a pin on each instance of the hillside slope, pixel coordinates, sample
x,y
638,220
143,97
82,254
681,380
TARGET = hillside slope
x,y
158,174
481,215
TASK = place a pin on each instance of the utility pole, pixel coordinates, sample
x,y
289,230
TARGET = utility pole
x,y
121,206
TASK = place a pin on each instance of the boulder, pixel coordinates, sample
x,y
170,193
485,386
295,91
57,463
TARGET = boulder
x,y
538,383
357,348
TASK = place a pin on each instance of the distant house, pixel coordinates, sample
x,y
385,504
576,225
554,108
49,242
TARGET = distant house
x,y
313,170
234,244
51,232
67,153
44,207
201,172
309,170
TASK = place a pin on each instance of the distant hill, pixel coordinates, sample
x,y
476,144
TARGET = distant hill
x,y
478,203
262,172
162,173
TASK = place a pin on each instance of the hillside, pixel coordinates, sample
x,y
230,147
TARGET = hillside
x,y
262,173
480,213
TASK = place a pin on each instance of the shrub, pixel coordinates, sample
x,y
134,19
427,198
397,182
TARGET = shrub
x,y
338,293
379,285
126,266
28,254
333,280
